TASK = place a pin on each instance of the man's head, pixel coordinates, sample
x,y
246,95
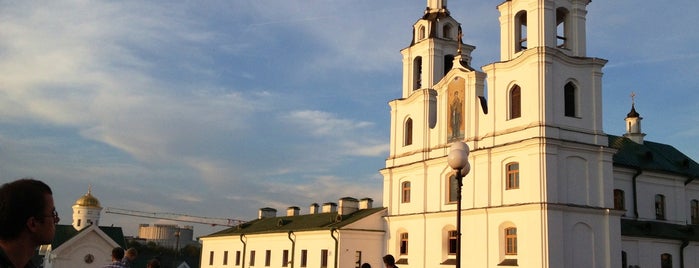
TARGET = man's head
x,y
131,254
117,253
389,260
26,205
154,263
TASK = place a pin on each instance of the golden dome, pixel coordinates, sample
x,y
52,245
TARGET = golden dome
x,y
88,200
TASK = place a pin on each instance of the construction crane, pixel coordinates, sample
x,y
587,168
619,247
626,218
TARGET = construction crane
x,y
175,217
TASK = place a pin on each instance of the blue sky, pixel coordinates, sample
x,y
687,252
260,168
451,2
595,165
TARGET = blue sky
x,y
219,108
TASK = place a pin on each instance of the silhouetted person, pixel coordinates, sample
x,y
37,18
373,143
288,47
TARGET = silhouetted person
x,y
366,265
389,261
129,257
28,219
154,263
117,256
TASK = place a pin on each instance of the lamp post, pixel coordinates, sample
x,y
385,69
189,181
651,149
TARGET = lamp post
x,y
458,160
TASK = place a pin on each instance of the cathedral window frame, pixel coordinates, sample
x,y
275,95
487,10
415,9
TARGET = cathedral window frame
x,y
512,176
417,72
421,32
405,192
452,240
514,99
452,188
510,241
447,31
619,199
666,260
694,211
408,132
403,243
571,99
660,210
448,63
520,20
562,28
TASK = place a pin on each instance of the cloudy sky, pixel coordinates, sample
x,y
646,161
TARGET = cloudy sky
x,y
219,108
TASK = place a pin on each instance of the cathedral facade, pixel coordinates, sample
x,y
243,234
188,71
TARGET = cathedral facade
x,y
547,187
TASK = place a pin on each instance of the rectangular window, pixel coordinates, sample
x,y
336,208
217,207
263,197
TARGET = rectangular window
x,y
304,258
511,241
406,192
252,258
404,244
323,258
694,207
268,257
211,258
452,242
225,258
659,207
569,102
453,188
237,258
285,258
619,200
512,176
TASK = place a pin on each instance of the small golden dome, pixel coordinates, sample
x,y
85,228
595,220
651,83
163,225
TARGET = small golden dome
x,y
88,200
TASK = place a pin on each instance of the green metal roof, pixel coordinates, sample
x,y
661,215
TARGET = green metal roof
x,y
66,232
663,230
653,156
308,222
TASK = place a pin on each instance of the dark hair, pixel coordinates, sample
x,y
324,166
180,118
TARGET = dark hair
x,y
118,253
154,263
388,259
366,265
20,200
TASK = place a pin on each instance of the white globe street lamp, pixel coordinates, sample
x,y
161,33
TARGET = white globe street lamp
x,y
458,160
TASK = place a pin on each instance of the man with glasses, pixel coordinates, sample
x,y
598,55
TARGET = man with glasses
x,y
28,219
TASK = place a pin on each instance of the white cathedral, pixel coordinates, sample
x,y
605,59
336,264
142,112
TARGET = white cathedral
x,y
547,187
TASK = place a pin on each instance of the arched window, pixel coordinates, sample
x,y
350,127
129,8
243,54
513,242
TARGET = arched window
x,y
694,207
659,207
417,73
403,244
446,31
515,102
570,92
408,132
562,27
421,33
511,241
405,186
619,203
448,63
512,176
666,260
521,31
453,187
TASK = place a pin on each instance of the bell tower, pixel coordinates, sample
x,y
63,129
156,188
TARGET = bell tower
x,y
86,211
432,48
540,189
555,24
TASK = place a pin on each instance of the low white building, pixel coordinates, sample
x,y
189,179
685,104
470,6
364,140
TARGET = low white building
x,y
342,235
